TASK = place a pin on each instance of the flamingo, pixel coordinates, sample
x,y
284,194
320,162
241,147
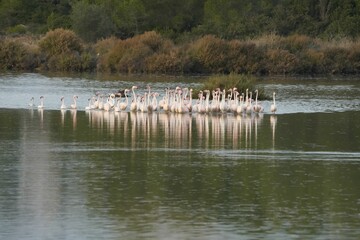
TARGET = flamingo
x,y
133,106
88,107
273,107
117,106
109,102
123,105
257,107
100,103
249,106
31,103
239,108
74,105
63,106
41,106
154,101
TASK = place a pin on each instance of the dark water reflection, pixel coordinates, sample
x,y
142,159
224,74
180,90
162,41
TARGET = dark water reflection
x,y
92,175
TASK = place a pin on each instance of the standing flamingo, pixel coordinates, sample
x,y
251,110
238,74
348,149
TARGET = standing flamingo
x,y
123,105
74,105
41,106
257,107
273,107
133,106
63,106
31,103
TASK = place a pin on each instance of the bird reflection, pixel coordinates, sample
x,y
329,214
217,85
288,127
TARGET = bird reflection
x,y
63,112
41,116
138,129
144,129
73,116
273,120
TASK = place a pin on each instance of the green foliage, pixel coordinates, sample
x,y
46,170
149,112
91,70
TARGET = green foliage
x,y
239,81
225,19
91,22
18,29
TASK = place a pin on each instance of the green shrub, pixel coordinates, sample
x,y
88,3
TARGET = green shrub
x,y
17,29
239,81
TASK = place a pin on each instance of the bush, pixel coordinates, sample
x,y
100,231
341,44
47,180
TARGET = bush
x,y
245,57
296,43
17,55
281,61
103,48
64,51
165,62
153,40
18,29
131,55
60,41
240,81
336,60
211,54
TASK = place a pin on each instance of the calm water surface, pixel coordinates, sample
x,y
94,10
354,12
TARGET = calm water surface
x,y
106,175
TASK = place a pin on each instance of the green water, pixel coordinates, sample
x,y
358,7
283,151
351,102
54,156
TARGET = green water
x,y
107,175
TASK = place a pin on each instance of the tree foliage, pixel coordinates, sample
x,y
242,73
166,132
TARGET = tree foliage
x,y
227,19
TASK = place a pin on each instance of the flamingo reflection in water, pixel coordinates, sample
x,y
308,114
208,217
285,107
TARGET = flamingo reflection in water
x,y
177,130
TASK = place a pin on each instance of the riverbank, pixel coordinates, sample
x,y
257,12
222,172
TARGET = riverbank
x,y
151,53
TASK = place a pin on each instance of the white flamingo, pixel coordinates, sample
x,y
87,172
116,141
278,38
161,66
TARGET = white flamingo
x,y
31,103
63,106
273,107
133,106
239,108
257,107
123,105
41,106
88,107
74,105
249,106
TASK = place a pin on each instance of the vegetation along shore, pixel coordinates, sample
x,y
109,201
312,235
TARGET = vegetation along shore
x,y
150,52
188,37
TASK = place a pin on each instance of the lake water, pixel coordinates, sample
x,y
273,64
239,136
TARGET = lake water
x,y
132,175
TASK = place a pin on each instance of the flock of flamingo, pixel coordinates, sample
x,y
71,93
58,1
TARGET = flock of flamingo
x,y
178,100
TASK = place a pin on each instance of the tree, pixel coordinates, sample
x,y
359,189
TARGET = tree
x,y
91,22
